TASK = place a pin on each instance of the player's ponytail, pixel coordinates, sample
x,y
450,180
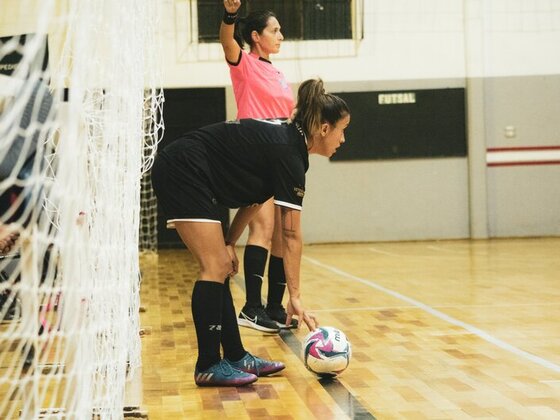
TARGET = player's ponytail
x,y
315,106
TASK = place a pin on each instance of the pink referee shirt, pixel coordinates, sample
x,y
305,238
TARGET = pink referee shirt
x,y
261,90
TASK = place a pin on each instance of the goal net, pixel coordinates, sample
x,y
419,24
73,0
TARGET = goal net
x,y
80,118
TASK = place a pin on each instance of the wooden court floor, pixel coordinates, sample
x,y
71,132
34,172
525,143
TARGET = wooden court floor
x,y
439,330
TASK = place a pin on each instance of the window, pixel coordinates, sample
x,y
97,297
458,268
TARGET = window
x,y
300,19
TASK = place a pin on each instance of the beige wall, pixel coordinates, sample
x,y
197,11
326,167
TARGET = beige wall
x,y
406,45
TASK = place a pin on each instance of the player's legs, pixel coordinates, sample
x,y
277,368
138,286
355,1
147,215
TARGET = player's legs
x,y
234,352
231,339
191,206
253,314
205,240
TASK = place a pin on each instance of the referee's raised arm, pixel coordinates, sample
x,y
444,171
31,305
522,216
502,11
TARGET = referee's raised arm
x,y
227,31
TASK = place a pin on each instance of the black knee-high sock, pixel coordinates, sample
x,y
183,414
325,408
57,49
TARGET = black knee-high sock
x,y
276,280
254,261
231,339
207,301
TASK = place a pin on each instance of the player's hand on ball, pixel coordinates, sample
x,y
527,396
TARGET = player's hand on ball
x,y
232,5
295,308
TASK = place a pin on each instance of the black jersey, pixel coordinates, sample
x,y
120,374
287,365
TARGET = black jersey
x,y
247,161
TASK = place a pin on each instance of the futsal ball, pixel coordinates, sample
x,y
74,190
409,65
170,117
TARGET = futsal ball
x,y
326,351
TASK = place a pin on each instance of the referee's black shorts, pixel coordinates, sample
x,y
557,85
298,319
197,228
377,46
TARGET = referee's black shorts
x,y
180,181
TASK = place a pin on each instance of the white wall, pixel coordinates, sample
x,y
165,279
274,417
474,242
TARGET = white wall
x,y
403,40
407,44
395,46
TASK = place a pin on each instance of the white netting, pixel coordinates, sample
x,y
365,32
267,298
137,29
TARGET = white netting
x,y
148,202
148,216
75,139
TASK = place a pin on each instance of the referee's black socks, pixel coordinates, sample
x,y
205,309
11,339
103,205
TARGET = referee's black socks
x,y
254,261
206,304
276,280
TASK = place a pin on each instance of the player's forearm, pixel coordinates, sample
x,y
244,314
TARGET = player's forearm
x,y
240,221
292,250
292,245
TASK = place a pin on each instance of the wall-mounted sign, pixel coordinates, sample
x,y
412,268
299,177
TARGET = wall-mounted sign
x,y
396,98
406,124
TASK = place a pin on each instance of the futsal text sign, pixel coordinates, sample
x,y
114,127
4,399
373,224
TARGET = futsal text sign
x,y
396,98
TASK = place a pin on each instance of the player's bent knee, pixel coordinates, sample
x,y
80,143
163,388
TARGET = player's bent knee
x,y
216,269
222,267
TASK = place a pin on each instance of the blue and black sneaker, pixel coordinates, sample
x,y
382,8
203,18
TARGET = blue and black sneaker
x,y
223,374
256,365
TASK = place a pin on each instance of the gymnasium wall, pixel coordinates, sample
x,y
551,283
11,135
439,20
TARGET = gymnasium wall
x,y
387,198
523,140
504,55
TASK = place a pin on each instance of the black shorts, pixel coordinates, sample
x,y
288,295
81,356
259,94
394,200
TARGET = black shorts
x,y
181,184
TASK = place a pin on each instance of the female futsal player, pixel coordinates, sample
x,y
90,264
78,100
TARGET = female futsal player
x,y
261,91
241,164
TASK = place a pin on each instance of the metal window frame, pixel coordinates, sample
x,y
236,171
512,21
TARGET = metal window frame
x,y
189,49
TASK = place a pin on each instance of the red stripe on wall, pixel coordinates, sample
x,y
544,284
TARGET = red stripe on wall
x,y
521,148
527,163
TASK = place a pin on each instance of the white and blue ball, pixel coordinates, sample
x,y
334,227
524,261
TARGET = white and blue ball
x,y
326,351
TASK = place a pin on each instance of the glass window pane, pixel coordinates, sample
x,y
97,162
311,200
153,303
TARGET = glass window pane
x,y
300,19
289,13
327,19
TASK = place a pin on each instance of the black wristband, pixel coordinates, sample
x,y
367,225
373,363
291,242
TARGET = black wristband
x,y
229,18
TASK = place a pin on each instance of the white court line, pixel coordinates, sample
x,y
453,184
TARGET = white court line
x,y
384,252
459,252
390,254
362,308
447,334
490,305
439,248
438,314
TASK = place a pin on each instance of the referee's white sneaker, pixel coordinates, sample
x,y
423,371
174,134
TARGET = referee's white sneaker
x,y
254,316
